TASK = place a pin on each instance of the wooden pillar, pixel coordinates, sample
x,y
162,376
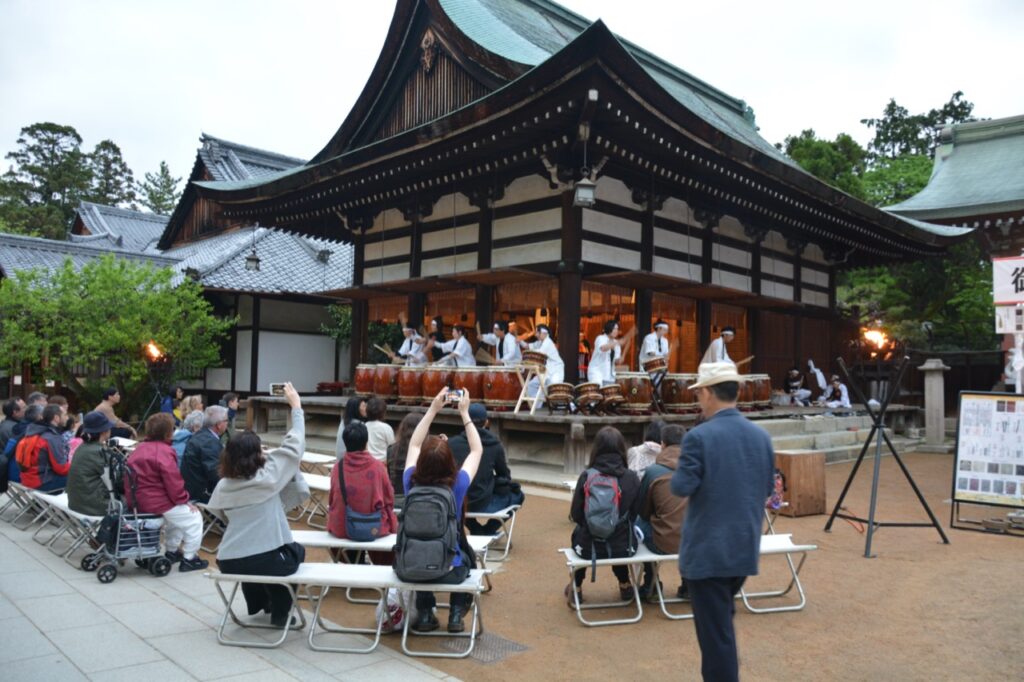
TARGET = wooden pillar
x,y
415,213
254,354
797,246
650,202
358,342
570,285
709,220
484,198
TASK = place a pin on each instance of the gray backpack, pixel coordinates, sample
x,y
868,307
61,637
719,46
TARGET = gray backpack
x,y
428,536
601,498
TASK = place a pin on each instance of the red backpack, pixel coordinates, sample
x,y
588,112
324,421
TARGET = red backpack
x,y
27,452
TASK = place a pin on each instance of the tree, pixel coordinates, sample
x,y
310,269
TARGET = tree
x,y
68,323
840,163
899,132
51,175
113,183
891,181
340,326
160,191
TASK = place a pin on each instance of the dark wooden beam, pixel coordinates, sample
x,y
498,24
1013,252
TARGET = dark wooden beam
x,y
570,283
254,351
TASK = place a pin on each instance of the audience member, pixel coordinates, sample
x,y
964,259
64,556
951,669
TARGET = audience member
x,y
201,462
121,429
661,512
37,398
190,425
367,489
159,489
254,491
430,463
229,401
355,409
642,456
33,413
87,491
492,488
189,404
381,435
607,458
170,403
42,454
14,408
397,453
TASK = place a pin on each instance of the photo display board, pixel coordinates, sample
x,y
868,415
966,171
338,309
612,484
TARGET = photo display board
x,y
989,465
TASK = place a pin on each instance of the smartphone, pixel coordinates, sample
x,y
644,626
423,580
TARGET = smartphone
x,y
454,395
277,389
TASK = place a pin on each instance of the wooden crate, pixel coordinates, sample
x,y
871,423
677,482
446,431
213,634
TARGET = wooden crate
x,y
805,482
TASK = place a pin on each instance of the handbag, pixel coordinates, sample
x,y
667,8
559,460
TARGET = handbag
x,y
358,526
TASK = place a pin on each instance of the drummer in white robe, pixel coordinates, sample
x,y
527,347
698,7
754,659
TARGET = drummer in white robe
x,y
458,351
555,367
506,345
607,352
412,348
717,352
655,346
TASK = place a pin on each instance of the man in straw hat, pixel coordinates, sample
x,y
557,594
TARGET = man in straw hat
x,y
725,473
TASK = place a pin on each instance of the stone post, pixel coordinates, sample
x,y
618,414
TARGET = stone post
x,y
934,402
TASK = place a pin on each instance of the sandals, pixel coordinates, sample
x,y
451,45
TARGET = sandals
x,y
570,602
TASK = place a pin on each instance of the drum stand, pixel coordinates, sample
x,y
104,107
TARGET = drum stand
x,y
656,380
532,371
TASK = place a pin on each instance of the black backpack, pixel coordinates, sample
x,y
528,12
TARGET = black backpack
x,y
428,535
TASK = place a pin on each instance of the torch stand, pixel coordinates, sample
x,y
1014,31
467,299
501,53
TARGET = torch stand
x,y
878,435
160,370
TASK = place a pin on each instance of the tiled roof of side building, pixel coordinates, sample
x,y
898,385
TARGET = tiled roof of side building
x,y
123,228
979,169
232,161
289,263
19,253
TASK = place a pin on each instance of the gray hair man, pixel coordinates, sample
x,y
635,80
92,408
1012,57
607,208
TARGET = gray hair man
x,y
201,462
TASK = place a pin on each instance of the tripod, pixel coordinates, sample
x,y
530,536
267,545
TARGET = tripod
x,y
159,373
878,434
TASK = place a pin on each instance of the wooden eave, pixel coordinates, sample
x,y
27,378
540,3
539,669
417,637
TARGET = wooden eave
x,y
679,286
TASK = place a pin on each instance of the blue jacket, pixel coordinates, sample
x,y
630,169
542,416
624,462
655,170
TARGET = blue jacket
x,y
726,468
199,465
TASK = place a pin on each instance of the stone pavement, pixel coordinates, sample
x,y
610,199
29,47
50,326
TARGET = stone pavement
x,y
60,623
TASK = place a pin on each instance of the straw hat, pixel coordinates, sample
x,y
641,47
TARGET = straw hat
x,y
711,373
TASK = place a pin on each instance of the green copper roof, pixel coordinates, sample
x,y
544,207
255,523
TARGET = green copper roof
x,y
979,169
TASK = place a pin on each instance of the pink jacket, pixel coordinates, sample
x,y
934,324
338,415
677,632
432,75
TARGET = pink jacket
x,y
158,483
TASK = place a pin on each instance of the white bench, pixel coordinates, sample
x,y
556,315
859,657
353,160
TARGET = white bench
x,y
315,463
507,516
771,545
328,576
80,527
316,507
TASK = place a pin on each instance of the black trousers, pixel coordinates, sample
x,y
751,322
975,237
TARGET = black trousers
x,y
713,609
426,601
276,599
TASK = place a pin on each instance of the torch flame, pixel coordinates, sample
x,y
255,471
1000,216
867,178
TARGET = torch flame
x,y
153,350
876,337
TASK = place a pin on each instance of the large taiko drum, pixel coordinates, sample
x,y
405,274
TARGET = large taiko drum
x,y
676,394
762,390
653,365
501,387
364,379
385,381
535,357
745,399
469,378
410,385
636,390
434,378
588,396
560,395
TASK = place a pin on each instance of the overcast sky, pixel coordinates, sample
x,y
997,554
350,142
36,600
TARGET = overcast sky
x,y
152,75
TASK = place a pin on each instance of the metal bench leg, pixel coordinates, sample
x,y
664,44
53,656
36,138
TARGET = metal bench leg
x,y
476,629
256,644
580,608
663,601
794,581
319,623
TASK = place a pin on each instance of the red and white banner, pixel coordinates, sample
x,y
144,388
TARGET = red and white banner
x,y
1008,280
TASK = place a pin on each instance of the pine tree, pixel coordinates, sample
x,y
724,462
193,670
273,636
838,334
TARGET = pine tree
x,y
160,191
113,182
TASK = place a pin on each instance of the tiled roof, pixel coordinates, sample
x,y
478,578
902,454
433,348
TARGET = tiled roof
x,y
289,263
231,161
979,169
121,227
19,253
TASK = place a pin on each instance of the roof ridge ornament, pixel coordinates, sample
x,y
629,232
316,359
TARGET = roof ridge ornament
x,y
429,49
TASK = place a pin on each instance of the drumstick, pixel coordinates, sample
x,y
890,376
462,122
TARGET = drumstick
x,y
484,356
744,361
385,351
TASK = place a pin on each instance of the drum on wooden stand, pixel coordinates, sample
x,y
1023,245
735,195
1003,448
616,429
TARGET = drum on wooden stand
x,y
501,387
470,379
410,385
588,397
385,381
656,365
637,392
677,395
762,390
433,379
364,380
535,357
611,397
560,396
745,399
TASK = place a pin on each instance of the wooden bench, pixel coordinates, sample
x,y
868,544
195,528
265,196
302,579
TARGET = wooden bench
x,y
328,576
771,545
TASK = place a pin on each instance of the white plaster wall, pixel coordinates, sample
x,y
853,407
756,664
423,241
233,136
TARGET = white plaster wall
x,y
218,379
303,359
776,290
388,273
677,242
614,191
815,298
610,255
773,266
443,207
676,209
442,239
540,252
392,218
814,254
446,265
374,250
529,223
730,279
526,188
344,357
730,255
243,360
731,227
611,225
677,268
809,276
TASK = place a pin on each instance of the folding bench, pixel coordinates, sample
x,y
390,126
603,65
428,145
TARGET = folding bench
x,y
80,527
315,463
357,576
18,498
316,507
507,516
574,562
212,524
773,545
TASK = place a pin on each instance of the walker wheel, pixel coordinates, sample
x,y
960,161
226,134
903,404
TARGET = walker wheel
x,y
107,573
160,566
142,563
90,562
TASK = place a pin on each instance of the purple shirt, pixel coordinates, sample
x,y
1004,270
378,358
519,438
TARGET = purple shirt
x,y
462,482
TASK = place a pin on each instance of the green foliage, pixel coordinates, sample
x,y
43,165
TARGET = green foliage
x,y
65,320
51,175
340,326
160,191
898,132
840,162
891,181
954,293
381,333
112,183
